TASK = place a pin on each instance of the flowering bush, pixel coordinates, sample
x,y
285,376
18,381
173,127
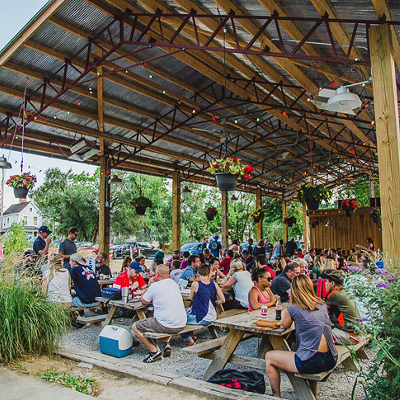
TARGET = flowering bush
x,y
231,165
348,205
289,220
258,214
211,212
25,180
313,192
376,213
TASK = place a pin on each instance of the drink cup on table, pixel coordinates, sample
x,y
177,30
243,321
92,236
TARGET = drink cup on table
x,y
264,311
124,294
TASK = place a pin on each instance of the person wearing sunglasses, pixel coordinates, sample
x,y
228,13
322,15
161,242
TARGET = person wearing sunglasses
x,y
260,294
68,247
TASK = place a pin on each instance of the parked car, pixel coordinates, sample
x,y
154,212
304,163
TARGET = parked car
x,y
146,249
124,250
192,248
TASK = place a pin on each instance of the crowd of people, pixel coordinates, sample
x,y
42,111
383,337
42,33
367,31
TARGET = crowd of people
x,y
245,279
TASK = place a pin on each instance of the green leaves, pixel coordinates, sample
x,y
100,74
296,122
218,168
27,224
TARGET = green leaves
x,y
15,241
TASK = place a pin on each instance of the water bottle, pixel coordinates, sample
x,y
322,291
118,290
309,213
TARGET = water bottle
x,y
278,310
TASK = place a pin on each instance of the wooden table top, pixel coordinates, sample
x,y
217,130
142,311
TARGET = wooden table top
x,y
243,322
133,304
107,281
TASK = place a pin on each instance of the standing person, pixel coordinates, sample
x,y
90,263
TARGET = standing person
x,y
68,247
240,280
203,294
103,268
169,313
269,248
205,244
226,262
259,249
278,251
343,310
42,242
316,351
57,282
281,284
250,247
215,247
260,294
370,244
85,283
291,246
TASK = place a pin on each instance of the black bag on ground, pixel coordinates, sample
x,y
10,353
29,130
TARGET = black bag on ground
x,y
112,293
251,381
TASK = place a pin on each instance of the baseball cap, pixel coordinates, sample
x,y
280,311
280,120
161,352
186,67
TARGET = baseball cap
x,y
335,275
77,258
45,229
176,251
216,237
136,266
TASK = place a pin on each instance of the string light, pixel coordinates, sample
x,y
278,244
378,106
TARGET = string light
x,y
145,63
258,119
236,121
151,76
213,118
79,103
164,91
372,123
285,112
193,111
334,84
366,105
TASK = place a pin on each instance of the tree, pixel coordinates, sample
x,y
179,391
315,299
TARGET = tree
x,y
15,240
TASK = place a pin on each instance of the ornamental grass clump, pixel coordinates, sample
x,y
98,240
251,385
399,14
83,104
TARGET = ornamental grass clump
x,y
29,323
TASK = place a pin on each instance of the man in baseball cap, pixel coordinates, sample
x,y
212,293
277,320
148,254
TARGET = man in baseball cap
x,y
343,310
42,242
131,277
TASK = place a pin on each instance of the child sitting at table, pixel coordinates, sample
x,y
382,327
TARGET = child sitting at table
x,y
203,294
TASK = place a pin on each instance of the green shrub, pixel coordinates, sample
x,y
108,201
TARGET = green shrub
x,y
29,323
15,240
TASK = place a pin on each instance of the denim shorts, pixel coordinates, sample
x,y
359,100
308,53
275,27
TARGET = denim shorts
x,y
319,362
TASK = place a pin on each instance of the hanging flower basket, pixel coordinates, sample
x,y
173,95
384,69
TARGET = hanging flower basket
x,y
227,171
141,203
211,212
375,215
349,206
257,215
314,222
21,184
312,195
289,221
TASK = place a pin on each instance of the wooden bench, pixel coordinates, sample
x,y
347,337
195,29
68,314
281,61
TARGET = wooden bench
x,y
344,358
167,336
84,308
94,319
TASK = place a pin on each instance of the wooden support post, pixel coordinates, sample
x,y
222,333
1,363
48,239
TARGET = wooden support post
x,y
105,195
224,220
306,225
387,135
176,211
285,226
259,224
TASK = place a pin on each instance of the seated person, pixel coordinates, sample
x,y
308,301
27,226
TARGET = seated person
x,y
169,313
203,294
190,272
316,351
85,283
303,266
260,294
280,265
176,255
207,256
240,279
176,271
103,269
215,273
125,263
248,259
343,310
281,284
226,262
184,262
130,278
261,262
298,253
57,281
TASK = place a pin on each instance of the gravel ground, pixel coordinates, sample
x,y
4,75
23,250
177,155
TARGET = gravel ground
x,y
339,386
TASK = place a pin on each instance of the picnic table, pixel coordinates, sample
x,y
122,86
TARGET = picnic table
x,y
241,328
105,282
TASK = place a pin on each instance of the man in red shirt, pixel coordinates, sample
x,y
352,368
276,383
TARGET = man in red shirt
x,y
225,264
261,262
298,253
131,278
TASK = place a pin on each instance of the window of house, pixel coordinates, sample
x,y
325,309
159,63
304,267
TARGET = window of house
x,y
34,220
25,219
30,209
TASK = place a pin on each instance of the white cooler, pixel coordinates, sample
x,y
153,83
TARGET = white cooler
x,y
115,341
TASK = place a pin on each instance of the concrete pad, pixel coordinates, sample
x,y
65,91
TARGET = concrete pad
x,y
15,386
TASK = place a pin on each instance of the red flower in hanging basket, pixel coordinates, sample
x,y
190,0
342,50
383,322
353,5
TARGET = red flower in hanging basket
x,y
226,163
216,165
235,160
25,180
349,204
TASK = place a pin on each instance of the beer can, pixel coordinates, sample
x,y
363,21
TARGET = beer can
x,y
264,311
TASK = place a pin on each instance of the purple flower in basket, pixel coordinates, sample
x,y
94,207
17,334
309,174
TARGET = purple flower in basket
x,y
391,278
362,319
354,269
382,271
383,285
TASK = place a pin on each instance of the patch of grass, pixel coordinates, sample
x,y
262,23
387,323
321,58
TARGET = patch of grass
x,y
83,385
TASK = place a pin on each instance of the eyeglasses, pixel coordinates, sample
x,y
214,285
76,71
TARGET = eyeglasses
x,y
270,279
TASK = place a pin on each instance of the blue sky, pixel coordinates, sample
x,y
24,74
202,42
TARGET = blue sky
x,y
13,16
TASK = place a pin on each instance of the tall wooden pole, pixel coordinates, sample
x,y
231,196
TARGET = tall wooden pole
x,y
285,226
176,211
224,220
387,135
105,197
259,224
306,225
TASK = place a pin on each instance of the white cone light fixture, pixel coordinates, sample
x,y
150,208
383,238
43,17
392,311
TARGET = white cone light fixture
x,y
343,101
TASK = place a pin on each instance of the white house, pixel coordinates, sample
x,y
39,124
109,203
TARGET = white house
x,y
27,212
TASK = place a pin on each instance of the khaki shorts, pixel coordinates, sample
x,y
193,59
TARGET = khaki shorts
x,y
152,325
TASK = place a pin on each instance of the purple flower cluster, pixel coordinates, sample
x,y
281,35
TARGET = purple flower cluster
x,y
383,285
354,269
391,278
362,319
382,271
